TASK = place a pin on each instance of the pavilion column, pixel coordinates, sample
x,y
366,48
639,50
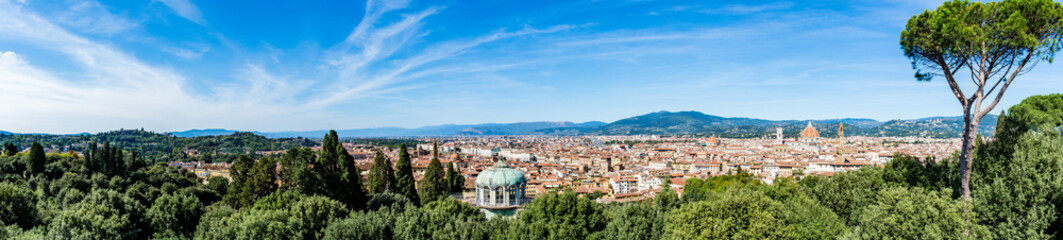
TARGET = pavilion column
x,y
505,198
493,196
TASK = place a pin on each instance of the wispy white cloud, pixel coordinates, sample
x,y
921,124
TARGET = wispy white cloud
x,y
731,9
186,9
186,53
114,89
748,9
92,17
363,60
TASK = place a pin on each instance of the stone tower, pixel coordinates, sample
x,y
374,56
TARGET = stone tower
x,y
841,132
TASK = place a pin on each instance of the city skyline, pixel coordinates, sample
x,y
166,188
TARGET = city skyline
x,y
174,65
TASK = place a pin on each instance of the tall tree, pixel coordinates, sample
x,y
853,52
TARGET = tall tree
x,y
295,170
381,175
352,192
455,181
993,43
434,184
327,168
35,160
240,172
263,180
404,182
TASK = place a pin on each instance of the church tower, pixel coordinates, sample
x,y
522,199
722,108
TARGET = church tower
x,y
841,132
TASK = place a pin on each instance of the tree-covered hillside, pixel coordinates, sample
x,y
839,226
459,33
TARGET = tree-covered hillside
x,y
162,147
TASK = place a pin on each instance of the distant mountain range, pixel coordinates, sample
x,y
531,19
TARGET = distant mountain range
x,y
521,128
657,123
696,123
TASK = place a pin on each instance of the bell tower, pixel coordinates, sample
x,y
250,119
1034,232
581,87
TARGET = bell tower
x,y
841,132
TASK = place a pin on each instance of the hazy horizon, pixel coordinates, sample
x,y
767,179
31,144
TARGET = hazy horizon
x,y
310,128
174,65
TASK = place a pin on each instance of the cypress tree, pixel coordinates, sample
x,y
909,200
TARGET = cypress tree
x,y
381,175
117,163
455,181
404,182
353,193
35,160
326,169
434,185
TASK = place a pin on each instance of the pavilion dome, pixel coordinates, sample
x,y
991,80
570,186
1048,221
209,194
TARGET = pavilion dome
x,y
500,175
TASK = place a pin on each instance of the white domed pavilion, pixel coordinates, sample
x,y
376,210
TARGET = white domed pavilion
x,y
500,190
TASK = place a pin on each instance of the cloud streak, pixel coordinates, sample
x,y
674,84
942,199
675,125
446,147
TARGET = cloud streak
x,y
186,9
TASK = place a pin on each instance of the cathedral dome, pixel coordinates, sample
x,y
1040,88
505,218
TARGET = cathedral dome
x,y
810,131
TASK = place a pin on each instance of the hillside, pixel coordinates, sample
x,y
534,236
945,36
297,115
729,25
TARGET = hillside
x,y
697,123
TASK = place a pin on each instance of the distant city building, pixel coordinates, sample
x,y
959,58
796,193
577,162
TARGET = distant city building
x,y
841,132
778,135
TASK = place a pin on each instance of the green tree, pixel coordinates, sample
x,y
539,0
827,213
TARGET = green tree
x,y
698,189
364,225
404,182
455,181
17,205
388,199
995,41
36,160
849,192
912,172
218,184
279,200
312,214
381,175
557,216
633,221
1019,175
351,191
668,199
737,214
263,179
434,184
10,149
327,166
223,223
103,214
240,171
447,218
1038,111
295,171
900,213
251,180
175,215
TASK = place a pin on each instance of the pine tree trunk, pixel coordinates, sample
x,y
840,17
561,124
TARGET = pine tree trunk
x,y
970,133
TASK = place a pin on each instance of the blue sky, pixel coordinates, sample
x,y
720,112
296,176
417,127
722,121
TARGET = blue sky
x,y
168,65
